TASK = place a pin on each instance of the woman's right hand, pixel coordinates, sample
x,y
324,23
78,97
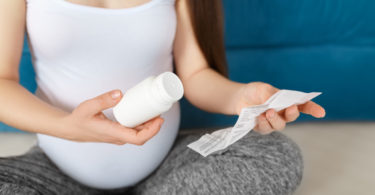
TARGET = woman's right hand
x,y
87,123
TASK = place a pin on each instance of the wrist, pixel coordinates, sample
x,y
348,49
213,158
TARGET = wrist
x,y
66,126
58,124
235,101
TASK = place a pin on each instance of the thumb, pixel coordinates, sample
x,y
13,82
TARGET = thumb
x,y
95,105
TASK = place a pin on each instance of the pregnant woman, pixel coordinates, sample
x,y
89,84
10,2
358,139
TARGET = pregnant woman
x,y
85,54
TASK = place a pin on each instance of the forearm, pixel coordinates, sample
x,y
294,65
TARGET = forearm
x,y
22,110
212,92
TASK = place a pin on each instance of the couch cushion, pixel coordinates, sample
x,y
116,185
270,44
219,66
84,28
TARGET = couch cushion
x,y
286,23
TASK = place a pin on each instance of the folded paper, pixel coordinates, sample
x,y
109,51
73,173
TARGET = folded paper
x,y
247,120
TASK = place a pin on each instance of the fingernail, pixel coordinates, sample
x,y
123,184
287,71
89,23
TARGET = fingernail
x,y
162,121
322,115
271,114
115,94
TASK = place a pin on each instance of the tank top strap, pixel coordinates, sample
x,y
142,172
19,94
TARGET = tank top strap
x,y
165,1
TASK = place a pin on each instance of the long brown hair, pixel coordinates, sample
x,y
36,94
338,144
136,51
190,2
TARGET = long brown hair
x,y
208,23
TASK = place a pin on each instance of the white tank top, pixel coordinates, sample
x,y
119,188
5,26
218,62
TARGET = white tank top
x,y
80,52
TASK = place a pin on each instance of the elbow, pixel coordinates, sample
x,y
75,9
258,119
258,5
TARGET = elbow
x,y
10,78
186,78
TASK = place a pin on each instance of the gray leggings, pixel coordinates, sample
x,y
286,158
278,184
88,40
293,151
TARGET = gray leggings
x,y
257,164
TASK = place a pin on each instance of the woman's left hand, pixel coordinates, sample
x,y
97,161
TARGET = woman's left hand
x,y
256,93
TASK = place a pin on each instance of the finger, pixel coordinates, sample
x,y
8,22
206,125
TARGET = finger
x,y
100,103
150,130
291,113
312,109
140,137
276,121
143,125
263,125
101,115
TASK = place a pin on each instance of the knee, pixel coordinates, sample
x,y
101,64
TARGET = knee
x,y
269,164
256,164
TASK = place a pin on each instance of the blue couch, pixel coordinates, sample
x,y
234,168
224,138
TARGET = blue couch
x,y
320,45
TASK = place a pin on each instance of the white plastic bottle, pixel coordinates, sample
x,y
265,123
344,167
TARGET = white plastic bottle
x,y
148,99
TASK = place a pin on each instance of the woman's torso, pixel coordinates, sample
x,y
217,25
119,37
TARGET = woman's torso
x,y
80,52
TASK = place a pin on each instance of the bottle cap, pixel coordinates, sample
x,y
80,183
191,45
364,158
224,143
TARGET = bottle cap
x,y
170,86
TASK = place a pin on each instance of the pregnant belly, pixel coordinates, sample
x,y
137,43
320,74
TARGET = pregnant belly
x,y
109,166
